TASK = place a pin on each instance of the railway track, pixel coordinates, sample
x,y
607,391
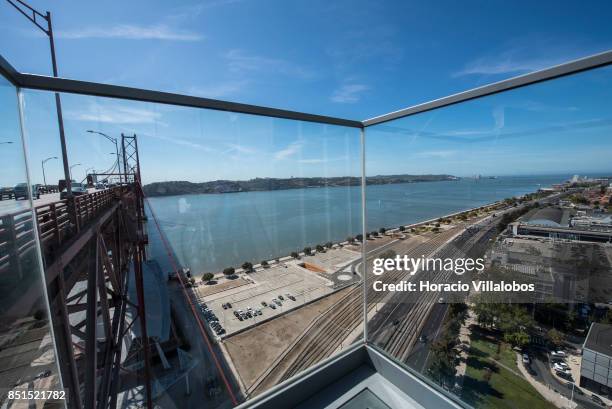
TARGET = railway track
x,y
333,326
405,336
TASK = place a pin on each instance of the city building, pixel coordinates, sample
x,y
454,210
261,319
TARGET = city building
x,y
596,365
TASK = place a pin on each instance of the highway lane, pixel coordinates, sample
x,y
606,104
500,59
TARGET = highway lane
x,y
420,353
12,206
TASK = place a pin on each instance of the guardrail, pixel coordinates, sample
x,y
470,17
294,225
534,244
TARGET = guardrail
x,y
55,225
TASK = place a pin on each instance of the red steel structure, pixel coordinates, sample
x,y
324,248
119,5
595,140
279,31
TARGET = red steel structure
x,y
90,246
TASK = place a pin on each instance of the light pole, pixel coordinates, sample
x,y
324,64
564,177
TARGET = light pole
x,y
43,169
113,140
35,16
70,170
6,143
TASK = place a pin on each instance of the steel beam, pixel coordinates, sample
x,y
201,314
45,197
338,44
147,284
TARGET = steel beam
x,y
572,67
91,341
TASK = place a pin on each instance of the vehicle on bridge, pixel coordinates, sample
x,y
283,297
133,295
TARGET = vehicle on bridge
x,y
78,189
21,191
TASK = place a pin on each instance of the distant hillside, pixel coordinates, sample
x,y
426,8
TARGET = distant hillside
x,y
264,184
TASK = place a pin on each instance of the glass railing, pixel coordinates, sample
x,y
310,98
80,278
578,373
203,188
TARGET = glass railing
x,y
502,253
251,228
486,235
27,353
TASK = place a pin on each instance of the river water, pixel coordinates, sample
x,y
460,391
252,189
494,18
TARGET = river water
x,y
209,232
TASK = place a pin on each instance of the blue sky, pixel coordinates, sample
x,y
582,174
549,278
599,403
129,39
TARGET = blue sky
x,y
349,59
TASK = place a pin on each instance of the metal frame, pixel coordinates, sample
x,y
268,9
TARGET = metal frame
x,y
45,83
61,273
572,67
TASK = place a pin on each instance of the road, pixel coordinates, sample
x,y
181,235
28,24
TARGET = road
x,y
13,206
541,372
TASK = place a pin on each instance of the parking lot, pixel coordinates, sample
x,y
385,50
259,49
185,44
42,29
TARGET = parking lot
x,y
277,289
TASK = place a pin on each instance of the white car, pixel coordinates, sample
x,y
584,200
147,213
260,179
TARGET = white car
x,y
558,354
525,358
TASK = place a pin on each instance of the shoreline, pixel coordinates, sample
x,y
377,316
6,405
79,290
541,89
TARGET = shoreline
x,y
458,179
394,230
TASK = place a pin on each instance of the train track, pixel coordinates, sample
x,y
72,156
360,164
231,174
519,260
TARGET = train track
x,y
402,339
332,327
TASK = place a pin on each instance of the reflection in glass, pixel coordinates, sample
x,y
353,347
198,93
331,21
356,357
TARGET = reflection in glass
x,y
27,357
251,267
519,182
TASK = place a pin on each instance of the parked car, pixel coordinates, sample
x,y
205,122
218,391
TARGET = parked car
x,y
558,354
272,306
263,303
78,189
526,359
280,297
21,191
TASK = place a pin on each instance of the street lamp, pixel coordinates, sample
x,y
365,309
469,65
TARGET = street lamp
x,y
35,17
6,143
113,140
70,170
43,169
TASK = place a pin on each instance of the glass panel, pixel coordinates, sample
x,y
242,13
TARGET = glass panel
x,y
253,213
27,355
490,257
365,399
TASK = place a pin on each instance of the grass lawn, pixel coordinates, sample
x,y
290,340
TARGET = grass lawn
x,y
504,389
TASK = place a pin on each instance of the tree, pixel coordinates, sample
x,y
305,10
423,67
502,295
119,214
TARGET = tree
x,y
350,239
374,233
402,228
388,254
264,264
247,266
320,248
207,277
555,337
329,244
359,237
307,251
192,281
382,230
295,255
368,235
229,271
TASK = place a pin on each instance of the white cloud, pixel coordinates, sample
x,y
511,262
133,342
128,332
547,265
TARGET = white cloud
x,y
322,160
290,150
243,149
116,114
240,62
509,62
348,93
436,154
219,90
131,32
178,141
